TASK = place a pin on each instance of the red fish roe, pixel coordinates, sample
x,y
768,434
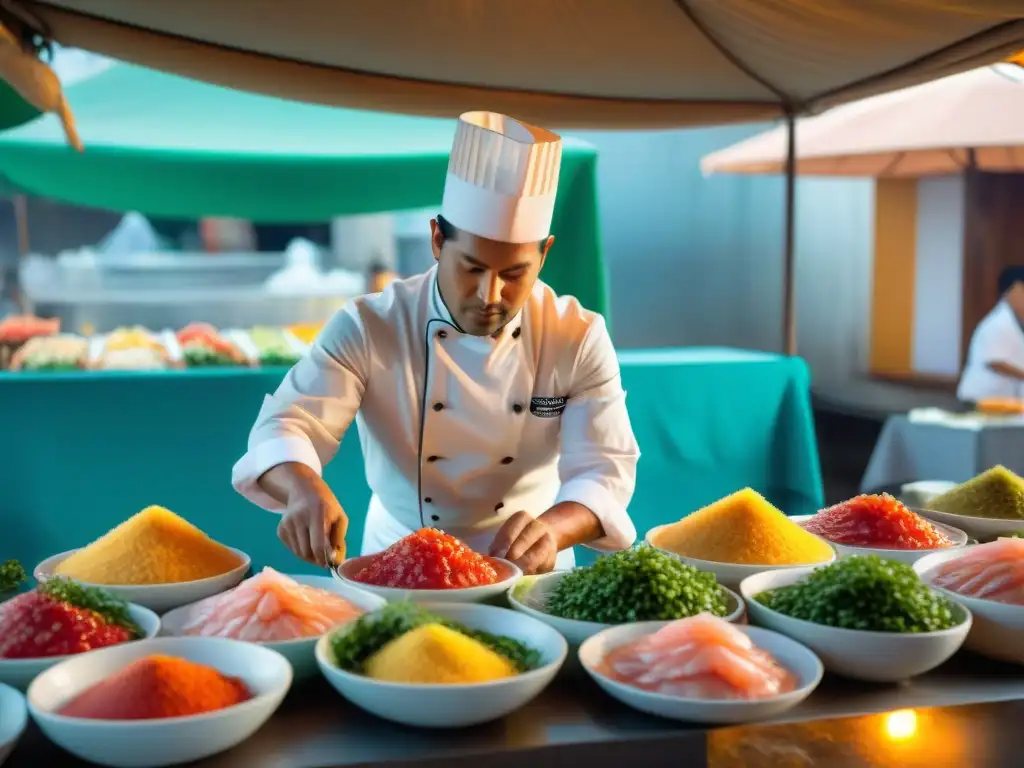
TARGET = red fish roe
x,y
881,522
427,559
158,687
38,625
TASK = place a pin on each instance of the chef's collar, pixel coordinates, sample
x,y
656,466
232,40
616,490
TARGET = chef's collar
x,y
440,311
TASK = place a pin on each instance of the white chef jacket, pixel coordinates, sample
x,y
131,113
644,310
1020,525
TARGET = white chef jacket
x,y
458,431
997,339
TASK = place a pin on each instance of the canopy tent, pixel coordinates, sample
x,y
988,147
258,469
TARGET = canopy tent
x,y
940,127
169,146
575,63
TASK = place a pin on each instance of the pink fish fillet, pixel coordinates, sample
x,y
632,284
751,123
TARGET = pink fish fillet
x,y
269,607
993,571
700,657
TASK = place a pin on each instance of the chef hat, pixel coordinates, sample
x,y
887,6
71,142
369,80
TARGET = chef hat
x,y
502,178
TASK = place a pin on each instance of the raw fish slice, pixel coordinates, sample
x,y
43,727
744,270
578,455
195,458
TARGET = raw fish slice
x,y
703,628
703,687
746,674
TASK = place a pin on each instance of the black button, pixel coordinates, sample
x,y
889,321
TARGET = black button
x,y
442,334
517,408
427,499
433,458
499,505
516,332
438,406
435,518
507,460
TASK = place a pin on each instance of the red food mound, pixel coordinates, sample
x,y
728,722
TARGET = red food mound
x,y
881,522
35,625
427,559
158,687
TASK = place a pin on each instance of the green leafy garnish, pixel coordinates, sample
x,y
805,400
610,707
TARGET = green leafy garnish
x,y
11,576
201,357
371,632
865,593
113,609
639,584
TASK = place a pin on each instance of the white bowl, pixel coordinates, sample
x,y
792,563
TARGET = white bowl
x,y
883,657
13,719
157,597
21,672
920,492
998,628
151,743
299,652
908,556
728,574
981,528
455,706
530,594
508,572
790,654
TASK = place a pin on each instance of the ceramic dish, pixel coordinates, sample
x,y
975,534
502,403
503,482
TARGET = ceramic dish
x,y
508,574
13,719
908,556
980,528
158,597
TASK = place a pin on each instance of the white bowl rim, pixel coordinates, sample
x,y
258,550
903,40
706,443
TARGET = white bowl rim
x,y
244,566
873,633
281,644
760,567
600,625
498,586
952,595
819,673
911,550
322,649
54,660
249,703
22,707
922,511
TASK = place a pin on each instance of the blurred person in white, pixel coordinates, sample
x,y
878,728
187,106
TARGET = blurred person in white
x,y
487,406
995,359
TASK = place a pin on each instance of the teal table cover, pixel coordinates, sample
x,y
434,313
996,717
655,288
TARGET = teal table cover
x,y
81,452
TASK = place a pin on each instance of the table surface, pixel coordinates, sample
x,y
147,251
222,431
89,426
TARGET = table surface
x,y
574,720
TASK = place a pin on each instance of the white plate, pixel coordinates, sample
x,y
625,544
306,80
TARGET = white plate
x,y
728,574
13,719
508,574
920,492
981,528
455,706
908,556
158,597
883,657
530,594
299,652
797,659
998,628
169,741
21,672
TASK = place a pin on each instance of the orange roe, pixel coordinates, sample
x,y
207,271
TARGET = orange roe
x,y
158,687
427,559
881,522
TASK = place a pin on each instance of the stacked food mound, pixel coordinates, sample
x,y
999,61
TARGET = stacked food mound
x,y
702,657
997,494
134,349
61,617
743,529
17,330
154,546
203,346
268,608
993,571
157,687
60,352
639,584
880,522
405,643
427,559
274,346
864,593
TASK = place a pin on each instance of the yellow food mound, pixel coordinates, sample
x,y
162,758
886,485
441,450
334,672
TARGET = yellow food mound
x,y
997,494
435,654
154,546
744,529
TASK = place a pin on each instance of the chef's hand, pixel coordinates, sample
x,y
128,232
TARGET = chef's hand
x,y
313,523
527,542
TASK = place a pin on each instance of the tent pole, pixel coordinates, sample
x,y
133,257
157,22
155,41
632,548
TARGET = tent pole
x,y
789,254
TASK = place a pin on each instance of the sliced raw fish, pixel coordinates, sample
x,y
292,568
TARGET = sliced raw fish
x,y
993,571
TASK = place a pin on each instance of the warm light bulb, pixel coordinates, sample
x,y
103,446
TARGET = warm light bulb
x,y
901,724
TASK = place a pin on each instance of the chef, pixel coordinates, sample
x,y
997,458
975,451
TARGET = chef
x,y
487,406
995,359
